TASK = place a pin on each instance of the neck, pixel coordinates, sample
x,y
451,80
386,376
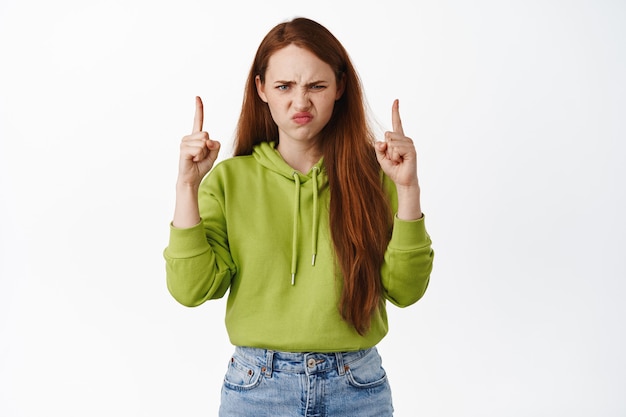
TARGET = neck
x,y
300,157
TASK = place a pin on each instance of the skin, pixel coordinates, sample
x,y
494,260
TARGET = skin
x,y
297,83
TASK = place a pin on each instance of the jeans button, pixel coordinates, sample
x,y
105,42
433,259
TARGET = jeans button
x,y
311,363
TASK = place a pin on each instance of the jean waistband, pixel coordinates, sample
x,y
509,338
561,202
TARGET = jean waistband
x,y
300,362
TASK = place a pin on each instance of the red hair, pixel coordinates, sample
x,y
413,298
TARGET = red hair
x,y
360,216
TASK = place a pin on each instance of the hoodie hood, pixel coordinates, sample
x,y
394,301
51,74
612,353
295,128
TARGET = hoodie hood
x,y
266,154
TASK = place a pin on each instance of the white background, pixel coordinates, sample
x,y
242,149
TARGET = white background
x,y
518,111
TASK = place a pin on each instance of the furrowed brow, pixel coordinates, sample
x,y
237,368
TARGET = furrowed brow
x,y
317,83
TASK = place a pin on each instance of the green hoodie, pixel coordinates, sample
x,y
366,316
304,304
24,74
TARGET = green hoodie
x,y
265,235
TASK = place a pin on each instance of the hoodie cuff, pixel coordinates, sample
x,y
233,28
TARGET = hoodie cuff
x,y
409,234
187,242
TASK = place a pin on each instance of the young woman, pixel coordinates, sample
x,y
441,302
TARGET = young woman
x,y
310,228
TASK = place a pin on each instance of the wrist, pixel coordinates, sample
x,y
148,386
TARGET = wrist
x,y
410,187
185,187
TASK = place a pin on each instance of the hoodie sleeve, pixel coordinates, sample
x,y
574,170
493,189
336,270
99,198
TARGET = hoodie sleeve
x,y
197,260
408,261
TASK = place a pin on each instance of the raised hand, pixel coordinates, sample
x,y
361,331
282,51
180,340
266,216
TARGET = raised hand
x,y
197,156
396,155
398,159
197,151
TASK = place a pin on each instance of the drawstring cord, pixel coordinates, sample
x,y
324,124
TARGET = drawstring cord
x,y
315,217
315,221
296,209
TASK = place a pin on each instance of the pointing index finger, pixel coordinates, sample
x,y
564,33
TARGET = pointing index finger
x,y
198,119
396,122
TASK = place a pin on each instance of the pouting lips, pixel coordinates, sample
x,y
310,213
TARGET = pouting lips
x,y
302,118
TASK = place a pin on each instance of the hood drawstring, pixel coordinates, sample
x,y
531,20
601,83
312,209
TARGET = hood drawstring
x,y
296,210
315,217
315,221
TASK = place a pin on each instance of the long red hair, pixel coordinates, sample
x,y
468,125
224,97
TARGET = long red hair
x,y
360,216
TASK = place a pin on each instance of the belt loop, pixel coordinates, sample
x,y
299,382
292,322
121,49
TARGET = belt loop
x,y
340,366
269,363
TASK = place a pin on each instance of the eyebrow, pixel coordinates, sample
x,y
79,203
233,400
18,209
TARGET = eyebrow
x,y
293,82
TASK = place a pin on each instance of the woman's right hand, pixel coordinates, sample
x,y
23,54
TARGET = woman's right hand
x,y
197,152
197,156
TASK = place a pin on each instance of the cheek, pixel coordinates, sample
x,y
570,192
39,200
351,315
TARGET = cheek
x,y
277,110
328,105
275,103
271,104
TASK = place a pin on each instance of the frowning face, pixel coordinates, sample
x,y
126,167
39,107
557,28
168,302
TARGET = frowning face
x,y
300,90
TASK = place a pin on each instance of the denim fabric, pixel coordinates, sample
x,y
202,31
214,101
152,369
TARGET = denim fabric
x,y
264,383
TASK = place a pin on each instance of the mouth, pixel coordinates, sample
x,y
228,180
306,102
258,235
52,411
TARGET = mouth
x,y
302,118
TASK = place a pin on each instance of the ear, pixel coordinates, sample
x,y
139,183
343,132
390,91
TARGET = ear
x,y
341,86
260,88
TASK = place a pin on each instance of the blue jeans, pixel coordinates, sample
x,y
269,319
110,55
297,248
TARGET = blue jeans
x,y
265,383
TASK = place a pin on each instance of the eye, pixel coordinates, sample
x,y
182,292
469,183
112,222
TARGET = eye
x,y
282,87
318,87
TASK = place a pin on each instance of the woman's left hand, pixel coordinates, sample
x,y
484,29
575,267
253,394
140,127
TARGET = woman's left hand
x,y
398,159
396,155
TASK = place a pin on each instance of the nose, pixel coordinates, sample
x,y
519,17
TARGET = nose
x,y
301,100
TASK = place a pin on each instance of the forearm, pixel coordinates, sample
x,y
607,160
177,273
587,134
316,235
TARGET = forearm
x,y
186,211
194,270
408,262
192,281
409,207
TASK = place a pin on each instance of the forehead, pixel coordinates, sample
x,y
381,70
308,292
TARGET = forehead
x,y
293,62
